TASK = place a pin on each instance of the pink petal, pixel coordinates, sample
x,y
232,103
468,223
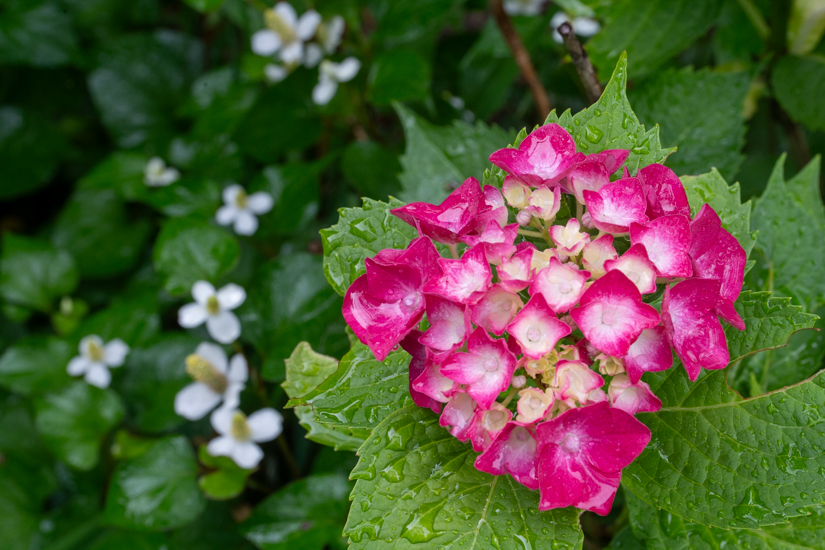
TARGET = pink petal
x,y
487,425
459,415
632,397
716,254
513,452
728,313
451,219
664,192
537,329
516,193
465,280
493,209
543,158
516,272
533,404
486,368
666,240
449,324
574,381
496,309
590,175
617,205
596,253
565,481
420,254
612,159
637,267
418,363
497,241
649,353
544,203
569,240
431,382
611,314
561,285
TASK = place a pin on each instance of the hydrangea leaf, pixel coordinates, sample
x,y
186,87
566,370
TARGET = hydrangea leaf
x,y
651,32
359,234
711,188
695,108
362,391
795,81
610,123
37,33
74,421
661,530
157,490
307,514
35,364
790,219
416,484
438,159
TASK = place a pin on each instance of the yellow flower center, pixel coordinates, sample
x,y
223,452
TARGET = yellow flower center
x,y
95,352
276,23
212,305
240,427
241,199
205,372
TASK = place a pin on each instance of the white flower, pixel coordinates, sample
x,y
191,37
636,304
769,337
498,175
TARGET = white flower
x,y
240,209
156,173
329,36
285,32
275,73
582,26
214,308
330,74
523,7
96,358
214,382
239,434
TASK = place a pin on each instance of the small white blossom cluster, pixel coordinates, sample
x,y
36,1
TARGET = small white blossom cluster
x,y
157,174
96,358
288,38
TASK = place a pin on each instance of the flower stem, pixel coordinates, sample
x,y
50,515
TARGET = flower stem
x,y
581,61
528,233
579,211
756,19
453,250
290,460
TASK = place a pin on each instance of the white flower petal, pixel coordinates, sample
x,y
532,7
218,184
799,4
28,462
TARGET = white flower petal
x,y
221,419
238,369
212,353
247,455
275,73
192,315
335,31
226,214
265,424
292,53
98,375
202,291
83,347
115,352
558,18
220,446
260,202
585,26
265,42
313,54
324,90
231,296
167,177
246,223
287,13
224,327
232,395
346,69
308,24
78,365
230,194
195,400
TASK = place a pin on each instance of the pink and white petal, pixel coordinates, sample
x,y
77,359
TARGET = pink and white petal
x,y
221,446
212,353
575,381
224,327
726,310
666,241
246,223
202,291
265,424
260,202
448,221
78,365
418,364
551,151
590,175
664,192
564,481
649,353
724,261
226,214
449,324
115,352
458,415
632,397
537,329
465,280
617,205
611,159
637,267
512,452
98,375
568,238
231,296
496,309
195,400
246,454
561,285
516,193
596,253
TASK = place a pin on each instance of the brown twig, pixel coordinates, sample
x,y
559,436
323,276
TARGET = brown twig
x,y
582,62
522,58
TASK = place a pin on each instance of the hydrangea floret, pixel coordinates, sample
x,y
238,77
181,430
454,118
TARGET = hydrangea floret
x,y
531,340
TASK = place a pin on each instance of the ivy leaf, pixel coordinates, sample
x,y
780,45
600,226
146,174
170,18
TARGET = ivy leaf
x,y
359,234
36,364
31,148
362,391
651,32
661,530
156,490
416,483
74,421
695,108
711,188
37,33
439,159
610,123
790,219
306,514
189,250
795,81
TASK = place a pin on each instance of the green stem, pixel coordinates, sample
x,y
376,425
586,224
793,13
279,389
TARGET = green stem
x,y
579,211
453,250
528,233
756,19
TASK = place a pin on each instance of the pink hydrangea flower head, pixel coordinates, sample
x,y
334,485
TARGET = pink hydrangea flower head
x,y
387,302
487,425
513,452
459,415
544,157
449,324
561,285
664,192
544,203
486,368
496,240
575,381
691,325
666,241
611,159
631,397
617,205
590,175
582,453
516,272
496,309
569,240
515,192
596,253
537,329
464,280
418,362
450,220
611,314
533,404
637,267
649,353
431,382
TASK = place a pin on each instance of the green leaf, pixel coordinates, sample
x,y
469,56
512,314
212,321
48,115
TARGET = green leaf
x,y
806,26
157,490
711,188
31,148
189,250
140,81
371,169
416,484
205,5
122,171
796,82
340,438
125,540
36,32
93,227
36,364
651,32
74,421
33,274
695,108
399,75
362,391
134,318
661,530
229,479
626,540
195,197
414,24
294,188
735,39
790,219
307,514
214,529
438,159
610,123
291,302
359,234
